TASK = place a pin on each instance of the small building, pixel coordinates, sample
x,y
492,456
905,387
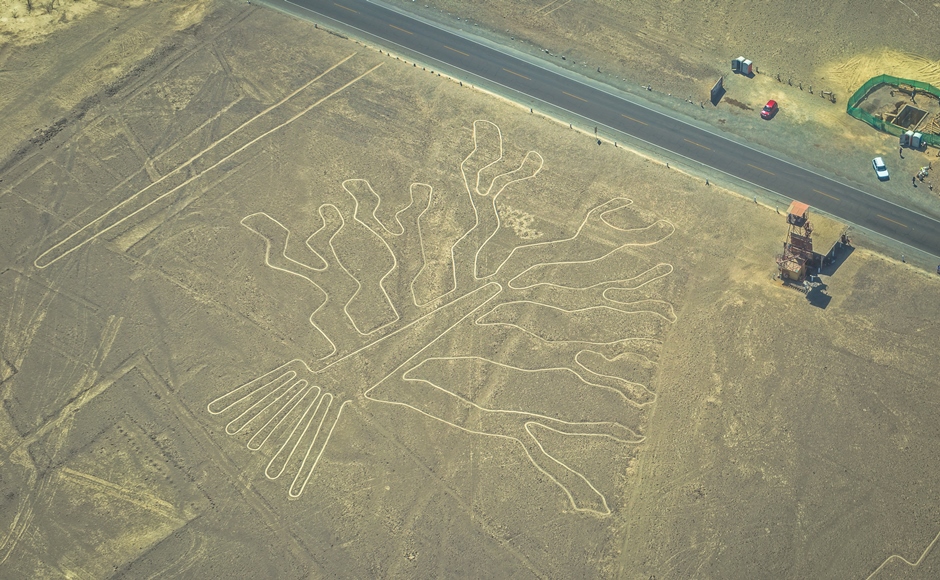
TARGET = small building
x,y
742,66
808,245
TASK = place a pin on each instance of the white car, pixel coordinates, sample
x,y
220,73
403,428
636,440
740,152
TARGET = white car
x,y
881,170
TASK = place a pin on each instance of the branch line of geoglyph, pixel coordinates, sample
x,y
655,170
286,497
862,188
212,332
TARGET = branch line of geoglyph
x,y
905,560
301,269
534,419
535,440
541,163
415,368
540,370
424,260
624,202
476,190
646,388
388,298
401,227
292,402
305,271
670,319
40,262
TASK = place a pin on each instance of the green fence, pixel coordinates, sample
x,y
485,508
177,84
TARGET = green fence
x,y
880,124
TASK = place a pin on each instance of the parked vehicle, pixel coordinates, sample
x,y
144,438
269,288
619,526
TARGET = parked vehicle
x,y
881,170
769,110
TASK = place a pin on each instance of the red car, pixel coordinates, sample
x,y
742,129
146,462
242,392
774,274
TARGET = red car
x,y
769,110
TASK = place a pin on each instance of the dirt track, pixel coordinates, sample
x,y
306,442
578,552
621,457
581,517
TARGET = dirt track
x,y
328,315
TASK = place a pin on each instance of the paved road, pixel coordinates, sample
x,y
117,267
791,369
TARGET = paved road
x,y
793,182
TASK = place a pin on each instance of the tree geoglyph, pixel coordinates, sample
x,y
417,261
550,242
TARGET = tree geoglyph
x,y
579,321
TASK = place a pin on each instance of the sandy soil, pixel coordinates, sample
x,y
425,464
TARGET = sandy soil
x,y
681,49
78,48
281,306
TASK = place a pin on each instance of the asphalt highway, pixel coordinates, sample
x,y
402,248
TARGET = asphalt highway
x,y
848,203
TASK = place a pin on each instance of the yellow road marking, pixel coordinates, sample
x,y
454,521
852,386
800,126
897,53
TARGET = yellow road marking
x,y
759,168
891,220
697,144
826,194
455,50
632,119
346,7
517,74
405,31
575,97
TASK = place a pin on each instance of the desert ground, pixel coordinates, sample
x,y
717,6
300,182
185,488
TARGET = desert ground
x,y
680,49
274,304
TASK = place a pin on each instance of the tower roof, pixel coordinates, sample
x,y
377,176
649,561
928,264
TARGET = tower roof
x,y
798,208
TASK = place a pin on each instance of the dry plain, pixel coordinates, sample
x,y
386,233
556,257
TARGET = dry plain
x,y
681,48
277,305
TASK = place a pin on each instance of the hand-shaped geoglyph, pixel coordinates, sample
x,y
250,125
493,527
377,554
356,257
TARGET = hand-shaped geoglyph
x,y
297,409
582,311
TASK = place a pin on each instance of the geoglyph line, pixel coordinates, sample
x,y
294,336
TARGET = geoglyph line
x,y
280,240
289,265
600,211
905,560
42,261
401,230
670,319
574,428
319,432
292,405
578,375
546,6
560,6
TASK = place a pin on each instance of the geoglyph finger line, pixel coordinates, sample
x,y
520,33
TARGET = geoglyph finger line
x,y
296,435
277,419
283,388
296,491
41,262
